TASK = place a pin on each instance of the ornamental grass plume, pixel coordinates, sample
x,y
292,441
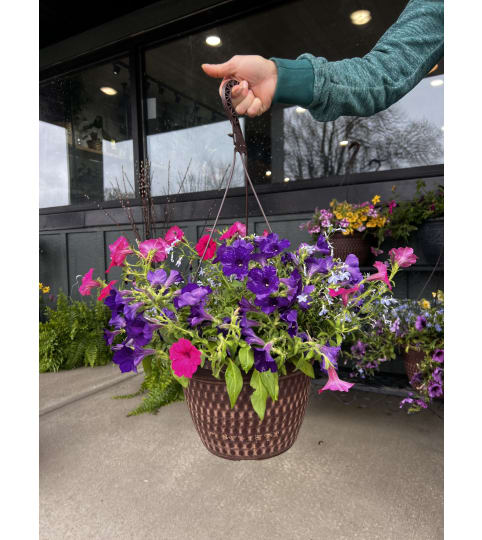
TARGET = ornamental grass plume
x,y
249,303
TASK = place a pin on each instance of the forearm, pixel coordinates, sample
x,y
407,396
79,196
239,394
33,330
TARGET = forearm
x,y
364,86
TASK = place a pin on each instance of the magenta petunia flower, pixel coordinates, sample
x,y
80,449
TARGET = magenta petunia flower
x,y
403,256
201,246
88,283
185,358
236,228
158,245
376,251
391,206
381,274
104,293
334,383
118,252
174,234
345,293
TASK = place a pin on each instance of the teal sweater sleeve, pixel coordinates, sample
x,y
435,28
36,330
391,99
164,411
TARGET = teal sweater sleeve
x,y
363,86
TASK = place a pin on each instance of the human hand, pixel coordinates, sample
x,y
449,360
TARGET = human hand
x,y
257,78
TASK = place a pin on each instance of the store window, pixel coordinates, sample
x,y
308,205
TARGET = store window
x,y
186,127
86,147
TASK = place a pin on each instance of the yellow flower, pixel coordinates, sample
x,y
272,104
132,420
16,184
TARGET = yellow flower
x,y
425,303
434,294
346,232
350,216
46,289
371,223
40,286
338,215
376,199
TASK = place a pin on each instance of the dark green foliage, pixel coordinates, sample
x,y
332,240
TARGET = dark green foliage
x,y
72,335
407,216
159,385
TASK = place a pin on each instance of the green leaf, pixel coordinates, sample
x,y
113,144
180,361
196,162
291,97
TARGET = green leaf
x,y
234,382
339,340
270,381
259,396
304,366
184,381
246,358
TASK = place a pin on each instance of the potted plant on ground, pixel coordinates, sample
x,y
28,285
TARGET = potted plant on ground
x,y
349,226
418,330
240,328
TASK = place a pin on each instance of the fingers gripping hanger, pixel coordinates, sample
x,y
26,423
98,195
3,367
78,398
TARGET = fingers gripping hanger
x,y
239,148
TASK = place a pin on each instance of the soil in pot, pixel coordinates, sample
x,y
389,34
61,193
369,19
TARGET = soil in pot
x,y
238,433
412,360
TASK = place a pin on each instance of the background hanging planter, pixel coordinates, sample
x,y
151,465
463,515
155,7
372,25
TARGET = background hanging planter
x,y
431,237
354,243
237,433
412,360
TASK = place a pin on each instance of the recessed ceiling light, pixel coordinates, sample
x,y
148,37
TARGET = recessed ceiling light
x,y
213,41
267,173
108,90
300,110
343,143
360,17
286,179
436,82
443,128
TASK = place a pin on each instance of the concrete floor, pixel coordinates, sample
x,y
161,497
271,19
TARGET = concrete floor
x,y
360,469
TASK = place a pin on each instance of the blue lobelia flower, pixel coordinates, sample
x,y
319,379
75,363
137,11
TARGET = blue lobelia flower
x,y
304,299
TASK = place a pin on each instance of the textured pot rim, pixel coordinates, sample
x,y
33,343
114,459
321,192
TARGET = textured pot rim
x,y
209,377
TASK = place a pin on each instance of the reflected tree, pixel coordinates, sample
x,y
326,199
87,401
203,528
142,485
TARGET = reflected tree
x,y
383,141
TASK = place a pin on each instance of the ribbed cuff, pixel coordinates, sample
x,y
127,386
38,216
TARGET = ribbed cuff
x,y
295,82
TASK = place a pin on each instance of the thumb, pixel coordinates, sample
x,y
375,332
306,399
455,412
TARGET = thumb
x,y
217,70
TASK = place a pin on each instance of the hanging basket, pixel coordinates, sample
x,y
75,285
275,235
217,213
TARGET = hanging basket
x,y
238,433
354,243
412,360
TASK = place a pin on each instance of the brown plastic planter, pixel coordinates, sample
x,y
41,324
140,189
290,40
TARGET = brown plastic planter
x,y
412,360
352,243
238,433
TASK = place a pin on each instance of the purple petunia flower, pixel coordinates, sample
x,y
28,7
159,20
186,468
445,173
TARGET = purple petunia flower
x,y
190,295
263,281
438,374
435,389
271,245
438,356
293,289
158,278
359,349
130,310
416,379
128,355
395,327
235,258
246,305
318,265
140,330
268,303
332,354
117,321
420,323
110,335
353,266
198,315
263,359
250,337
290,317
115,301
322,245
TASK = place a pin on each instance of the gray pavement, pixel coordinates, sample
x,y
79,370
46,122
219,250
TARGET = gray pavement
x,y
360,469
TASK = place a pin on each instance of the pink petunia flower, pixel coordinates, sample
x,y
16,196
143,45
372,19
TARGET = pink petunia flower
x,y
376,251
236,228
403,256
335,383
106,290
391,206
118,252
158,245
185,358
381,274
344,293
265,232
88,283
174,234
201,246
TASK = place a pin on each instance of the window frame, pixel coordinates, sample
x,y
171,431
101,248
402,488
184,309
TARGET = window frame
x,y
166,31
